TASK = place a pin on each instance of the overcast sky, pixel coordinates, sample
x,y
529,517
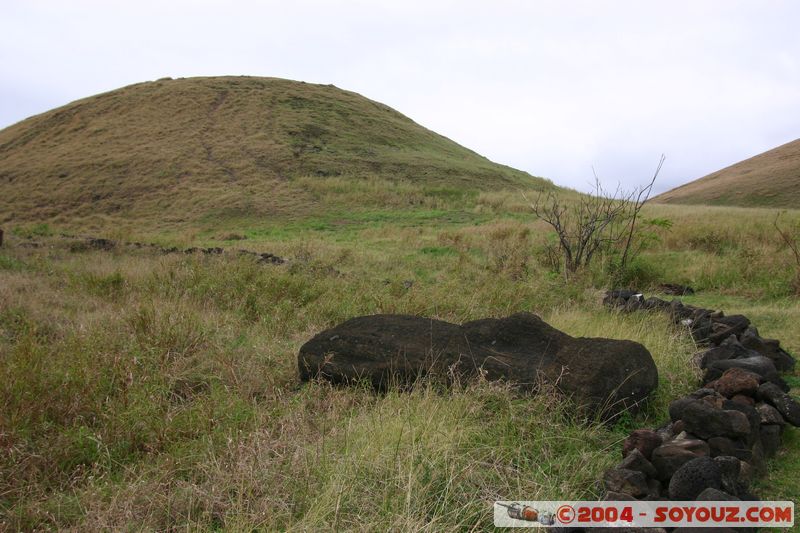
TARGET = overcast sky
x,y
551,87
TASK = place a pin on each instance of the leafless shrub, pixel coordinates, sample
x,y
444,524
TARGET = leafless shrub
x,y
791,240
595,222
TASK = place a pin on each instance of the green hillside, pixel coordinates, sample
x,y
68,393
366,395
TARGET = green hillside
x,y
175,152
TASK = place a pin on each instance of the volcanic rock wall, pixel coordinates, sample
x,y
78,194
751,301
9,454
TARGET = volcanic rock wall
x,y
718,436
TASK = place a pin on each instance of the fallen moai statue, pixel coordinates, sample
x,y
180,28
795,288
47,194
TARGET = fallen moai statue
x,y
604,377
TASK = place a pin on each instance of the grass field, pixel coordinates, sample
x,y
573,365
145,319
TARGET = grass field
x,y
149,391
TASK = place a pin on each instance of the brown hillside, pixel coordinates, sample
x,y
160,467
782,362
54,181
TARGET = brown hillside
x,y
208,148
771,179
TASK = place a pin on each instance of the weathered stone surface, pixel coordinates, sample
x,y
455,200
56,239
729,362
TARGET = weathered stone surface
x,y
670,456
723,352
730,467
694,477
760,365
706,421
712,495
679,311
607,376
633,303
666,432
746,474
732,325
722,446
626,481
643,440
604,376
769,348
752,415
769,415
785,404
676,407
759,458
612,496
675,289
744,400
655,303
636,461
737,381
653,489
770,438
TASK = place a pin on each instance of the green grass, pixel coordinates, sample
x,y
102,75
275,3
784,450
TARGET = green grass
x,y
141,390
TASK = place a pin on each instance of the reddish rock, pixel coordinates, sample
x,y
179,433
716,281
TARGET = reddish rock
x,y
643,440
744,400
737,381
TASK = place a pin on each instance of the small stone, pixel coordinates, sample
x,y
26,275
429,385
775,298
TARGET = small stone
x,y
715,495
768,347
732,325
643,440
737,381
670,456
618,497
760,365
694,477
759,459
752,417
769,415
743,400
706,421
785,404
770,438
722,446
653,489
730,468
635,460
746,473
626,481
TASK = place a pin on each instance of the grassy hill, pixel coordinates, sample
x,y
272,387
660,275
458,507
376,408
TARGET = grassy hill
x,y
177,152
771,179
